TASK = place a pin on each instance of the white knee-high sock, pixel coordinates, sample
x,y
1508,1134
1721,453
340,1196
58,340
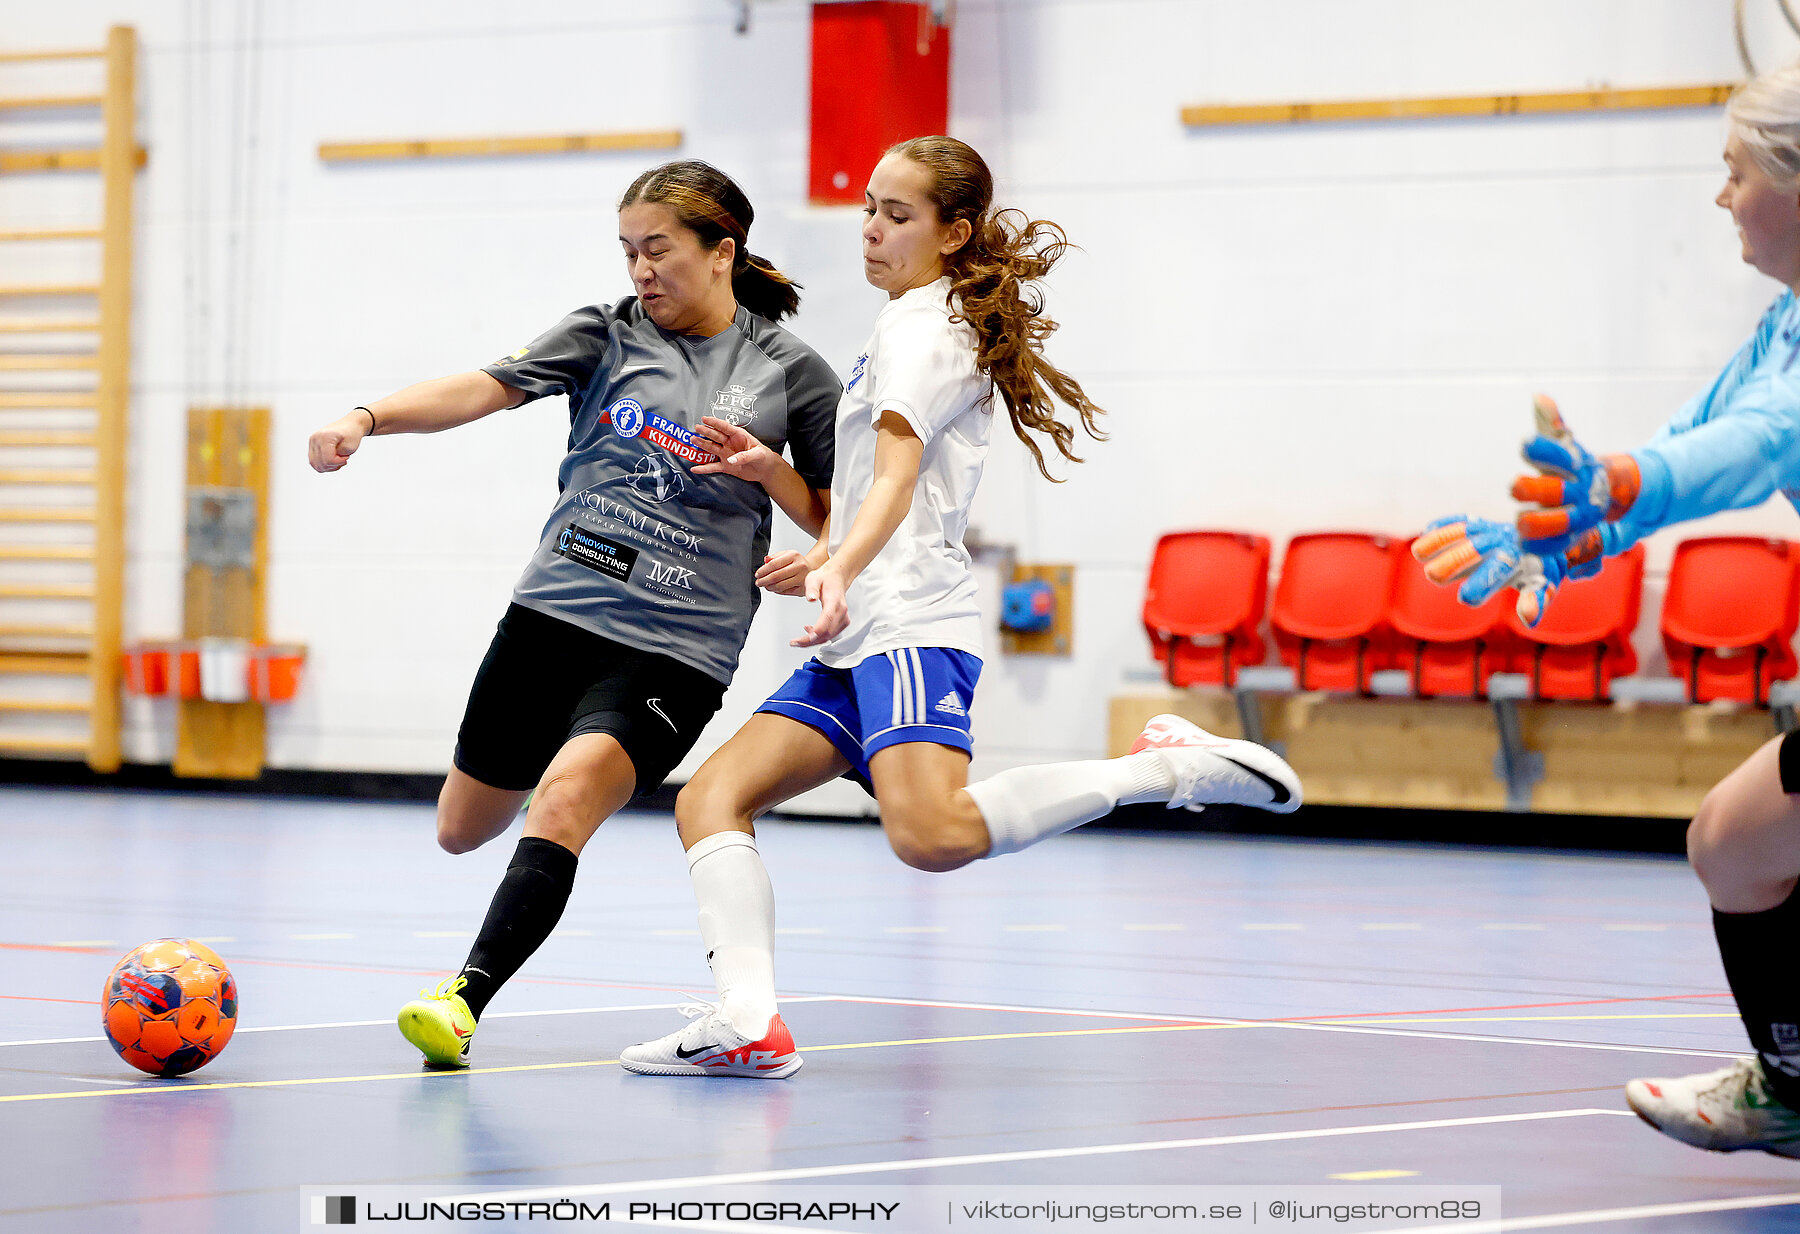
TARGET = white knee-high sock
x,y
1028,804
737,925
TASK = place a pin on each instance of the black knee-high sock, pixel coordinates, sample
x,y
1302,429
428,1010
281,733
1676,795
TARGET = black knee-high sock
x,y
1759,950
525,909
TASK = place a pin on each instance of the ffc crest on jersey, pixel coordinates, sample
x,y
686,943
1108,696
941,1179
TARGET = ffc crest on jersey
x,y
733,405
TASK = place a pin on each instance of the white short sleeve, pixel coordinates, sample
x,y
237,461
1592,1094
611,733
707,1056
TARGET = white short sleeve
x,y
924,369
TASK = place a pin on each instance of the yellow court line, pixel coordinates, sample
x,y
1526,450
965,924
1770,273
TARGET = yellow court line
x,y
1363,1176
323,1079
599,1062
855,1045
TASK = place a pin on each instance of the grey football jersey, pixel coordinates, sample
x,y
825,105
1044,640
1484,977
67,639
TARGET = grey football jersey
x,y
640,549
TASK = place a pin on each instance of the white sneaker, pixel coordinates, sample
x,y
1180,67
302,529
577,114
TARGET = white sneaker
x,y
1210,769
1723,1110
709,1045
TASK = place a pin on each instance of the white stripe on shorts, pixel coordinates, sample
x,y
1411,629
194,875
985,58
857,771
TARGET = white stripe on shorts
x,y
920,715
899,710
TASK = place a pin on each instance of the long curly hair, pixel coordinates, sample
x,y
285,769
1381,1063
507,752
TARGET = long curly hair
x,y
711,205
993,287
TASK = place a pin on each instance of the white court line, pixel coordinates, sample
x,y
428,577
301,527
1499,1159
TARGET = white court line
x,y
1309,1025
1597,1216
1223,1021
1038,1154
492,1015
1492,1039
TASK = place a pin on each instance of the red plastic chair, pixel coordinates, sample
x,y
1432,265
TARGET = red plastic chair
x,y
1729,617
1204,603
1447,648
1584,640
1330,616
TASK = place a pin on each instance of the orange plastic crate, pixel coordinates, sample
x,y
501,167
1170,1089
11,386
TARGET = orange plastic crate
x,y
147,668
275,672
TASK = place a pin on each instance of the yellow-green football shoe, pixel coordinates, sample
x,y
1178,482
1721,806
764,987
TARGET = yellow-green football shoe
x,y
440,1024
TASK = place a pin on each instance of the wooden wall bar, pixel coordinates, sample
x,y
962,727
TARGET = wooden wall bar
x,y
112,425
1555,103
495,147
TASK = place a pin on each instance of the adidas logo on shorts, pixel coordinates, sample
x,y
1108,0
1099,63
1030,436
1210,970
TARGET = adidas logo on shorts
x,y
951,705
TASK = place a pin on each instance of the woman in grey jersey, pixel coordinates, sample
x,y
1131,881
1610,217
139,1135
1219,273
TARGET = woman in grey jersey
x,y
625,628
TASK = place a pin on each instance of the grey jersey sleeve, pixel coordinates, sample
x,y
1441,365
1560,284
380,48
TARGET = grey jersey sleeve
x,y
561,360
812,398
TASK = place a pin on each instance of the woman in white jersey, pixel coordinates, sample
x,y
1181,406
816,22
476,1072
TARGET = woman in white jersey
x,y
887,699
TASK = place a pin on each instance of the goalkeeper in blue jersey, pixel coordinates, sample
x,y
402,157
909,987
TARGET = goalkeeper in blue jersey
x,y
1734,445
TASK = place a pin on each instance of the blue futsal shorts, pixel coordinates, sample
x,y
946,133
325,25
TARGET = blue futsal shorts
x,y
913,694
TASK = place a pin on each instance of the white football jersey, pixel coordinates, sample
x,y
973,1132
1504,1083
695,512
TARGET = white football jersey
x,y
919,590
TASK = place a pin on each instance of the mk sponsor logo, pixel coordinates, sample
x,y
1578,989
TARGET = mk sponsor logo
x,y
672,575
856,374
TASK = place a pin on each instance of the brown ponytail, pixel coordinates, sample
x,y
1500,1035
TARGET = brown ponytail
x,y
710,204
992,287
763,289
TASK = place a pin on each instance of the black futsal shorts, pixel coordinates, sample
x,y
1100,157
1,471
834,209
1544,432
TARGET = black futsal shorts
x,y
545,680
1790,762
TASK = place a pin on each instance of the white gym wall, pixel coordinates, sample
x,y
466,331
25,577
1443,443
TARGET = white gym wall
x,y
1294,328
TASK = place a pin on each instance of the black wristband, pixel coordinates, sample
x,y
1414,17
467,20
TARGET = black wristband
x,y
360,407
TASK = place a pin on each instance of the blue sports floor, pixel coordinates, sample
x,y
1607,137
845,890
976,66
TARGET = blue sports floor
x,y
1106,1008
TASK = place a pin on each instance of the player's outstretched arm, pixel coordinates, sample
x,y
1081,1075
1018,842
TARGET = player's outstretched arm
x,y
1573,491
897,454
428,407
